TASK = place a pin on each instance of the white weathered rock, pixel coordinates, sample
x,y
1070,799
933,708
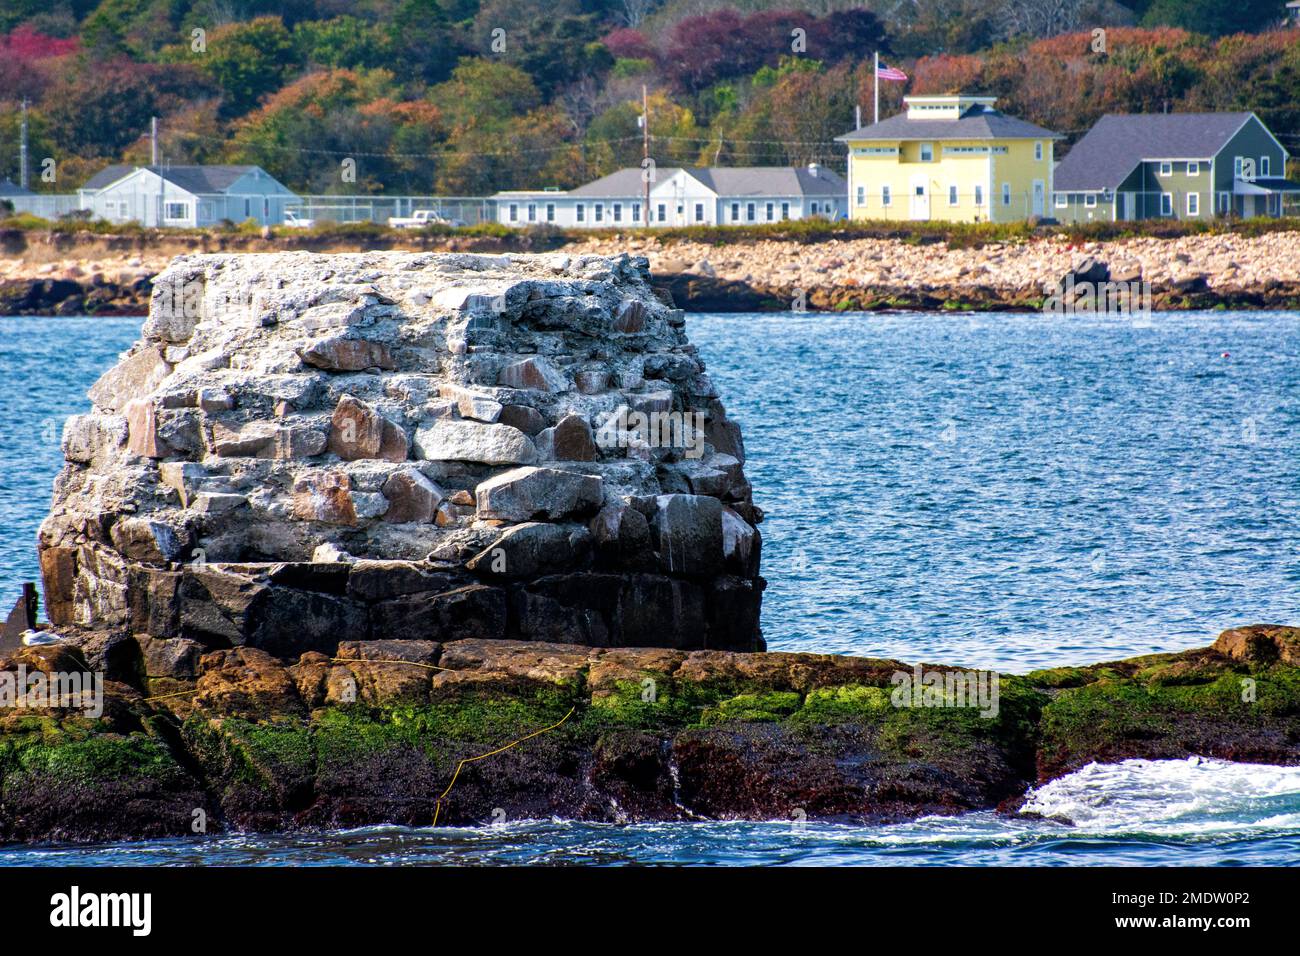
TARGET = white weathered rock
x,y
445,440
532,494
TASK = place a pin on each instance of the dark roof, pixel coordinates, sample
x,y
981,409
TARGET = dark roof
x,y
771,181
10,188
978,122
107,175
625,182
200,180
1117,143
726,181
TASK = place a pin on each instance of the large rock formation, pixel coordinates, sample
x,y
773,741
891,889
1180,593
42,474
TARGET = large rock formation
x,y
303,449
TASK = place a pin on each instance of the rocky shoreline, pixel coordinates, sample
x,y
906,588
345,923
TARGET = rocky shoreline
x,y
1224,270
1216,271
391,731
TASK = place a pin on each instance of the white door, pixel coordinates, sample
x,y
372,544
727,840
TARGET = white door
x,y
920,197
1038,197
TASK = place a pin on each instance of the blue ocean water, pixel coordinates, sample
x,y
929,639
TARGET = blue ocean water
x,y
1000,491
1013,491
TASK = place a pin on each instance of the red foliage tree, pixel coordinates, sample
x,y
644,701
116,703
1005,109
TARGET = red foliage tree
x,y
629,44
24,43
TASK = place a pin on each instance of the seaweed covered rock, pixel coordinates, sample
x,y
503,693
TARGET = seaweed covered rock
x,y
303,449
384,732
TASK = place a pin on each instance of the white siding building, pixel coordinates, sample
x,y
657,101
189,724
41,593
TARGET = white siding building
x,y
182,196
683,196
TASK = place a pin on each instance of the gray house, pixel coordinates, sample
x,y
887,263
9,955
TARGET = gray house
x,y
1172,166
10,189
683,196
186,196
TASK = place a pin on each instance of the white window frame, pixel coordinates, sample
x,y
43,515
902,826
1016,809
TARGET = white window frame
x,y
1224,204
1193,169
532,212
1265,165
1062,200
735,212
599,212
1193,204
514,212
662,210
636,212
184,208
618,212
952,194
862,195
580,212
885,198
550,212
751,212
770,209
1090,200
1166,204
785,211
927,152
1038,151
1166,168
699,212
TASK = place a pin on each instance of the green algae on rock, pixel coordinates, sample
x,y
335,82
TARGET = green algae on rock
x,y
375,733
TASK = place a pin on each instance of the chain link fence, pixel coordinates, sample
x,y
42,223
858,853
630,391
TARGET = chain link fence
x,y
469,210
45,205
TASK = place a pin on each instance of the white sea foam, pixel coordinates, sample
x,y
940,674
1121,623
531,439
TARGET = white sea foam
x,y
1188,797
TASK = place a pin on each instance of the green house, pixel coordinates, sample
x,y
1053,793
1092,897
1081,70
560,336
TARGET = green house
x,y
1172,166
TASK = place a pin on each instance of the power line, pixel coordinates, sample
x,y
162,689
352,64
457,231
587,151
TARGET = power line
x,y
709,140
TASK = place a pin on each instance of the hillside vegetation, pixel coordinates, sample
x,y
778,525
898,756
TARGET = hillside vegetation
x,y
465,97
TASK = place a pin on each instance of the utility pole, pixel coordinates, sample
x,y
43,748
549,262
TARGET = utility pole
x,y
875,87
645,154
153,141
22,149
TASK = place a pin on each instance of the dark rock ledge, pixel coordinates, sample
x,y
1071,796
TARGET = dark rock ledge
x,y
259,743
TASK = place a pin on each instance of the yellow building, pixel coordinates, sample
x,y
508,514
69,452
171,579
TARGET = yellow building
x,y
952,158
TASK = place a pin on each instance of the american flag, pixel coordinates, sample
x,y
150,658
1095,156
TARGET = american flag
x,y
889,73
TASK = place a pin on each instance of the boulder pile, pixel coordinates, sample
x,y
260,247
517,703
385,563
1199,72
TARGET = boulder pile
x,y
305,449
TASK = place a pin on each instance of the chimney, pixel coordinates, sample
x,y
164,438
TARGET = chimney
x,y
814,170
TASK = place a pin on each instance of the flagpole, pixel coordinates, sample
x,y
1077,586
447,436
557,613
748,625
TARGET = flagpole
x,y
875,87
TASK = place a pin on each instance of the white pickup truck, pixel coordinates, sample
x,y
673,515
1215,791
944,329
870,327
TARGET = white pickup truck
x,y
417,219
295,221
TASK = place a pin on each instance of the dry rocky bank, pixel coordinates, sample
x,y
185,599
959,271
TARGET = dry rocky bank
x,y
109,275
336,524
1202,271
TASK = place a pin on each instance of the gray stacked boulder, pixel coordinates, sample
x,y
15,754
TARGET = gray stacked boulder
x,y
304,449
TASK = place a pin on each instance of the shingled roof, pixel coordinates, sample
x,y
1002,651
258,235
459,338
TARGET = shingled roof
x,y
1117,143
199,180
980,122
726,181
